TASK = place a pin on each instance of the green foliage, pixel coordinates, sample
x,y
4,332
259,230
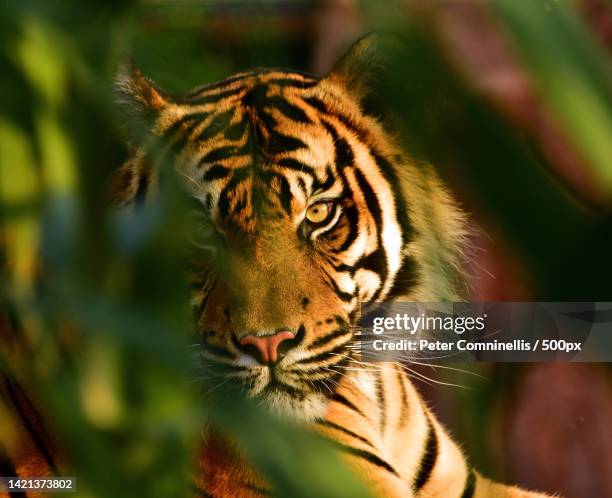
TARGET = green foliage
x,y
573,73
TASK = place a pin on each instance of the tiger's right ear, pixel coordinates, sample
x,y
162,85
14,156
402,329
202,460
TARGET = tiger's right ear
x,y
372,59
138,95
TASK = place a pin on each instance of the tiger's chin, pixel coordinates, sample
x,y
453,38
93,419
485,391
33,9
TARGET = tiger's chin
x,y
306,408
293,404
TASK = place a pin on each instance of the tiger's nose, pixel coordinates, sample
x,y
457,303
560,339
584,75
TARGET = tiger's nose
x,y
268,349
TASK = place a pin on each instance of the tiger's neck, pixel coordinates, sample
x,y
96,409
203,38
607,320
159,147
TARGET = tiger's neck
x,y
384,427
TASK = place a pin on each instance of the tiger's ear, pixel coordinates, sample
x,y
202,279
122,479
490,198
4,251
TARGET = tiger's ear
x,y
368,62
371,72
140,98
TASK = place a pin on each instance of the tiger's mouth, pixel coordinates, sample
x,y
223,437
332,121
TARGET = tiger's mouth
x,y
276,387
279,393
298,385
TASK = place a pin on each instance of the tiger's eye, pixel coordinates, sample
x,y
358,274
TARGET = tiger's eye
x,y
319,212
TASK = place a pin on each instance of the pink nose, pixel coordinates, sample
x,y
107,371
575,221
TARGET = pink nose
x,y
267,346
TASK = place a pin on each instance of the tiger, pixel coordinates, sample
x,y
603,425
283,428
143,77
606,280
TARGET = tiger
x,y
308,207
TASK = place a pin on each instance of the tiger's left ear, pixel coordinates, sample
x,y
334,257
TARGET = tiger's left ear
x,y
368,62
141,99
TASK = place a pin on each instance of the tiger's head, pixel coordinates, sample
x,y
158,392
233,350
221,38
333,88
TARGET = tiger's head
x,y
307,208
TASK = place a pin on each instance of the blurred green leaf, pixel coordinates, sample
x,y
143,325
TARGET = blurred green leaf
x,y
573,72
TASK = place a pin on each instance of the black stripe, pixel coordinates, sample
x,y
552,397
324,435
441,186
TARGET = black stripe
x,y
338,398
344,430
293,83
142,188
191,117
344,156
382,402
211,99
404,399
401,207
202,493
295,165
470,485
376,211
7,469
177,134
216,172
299,337
217,124
429,457
375,262
265,126
221,153
324,355
405,279
33,412
354,314
235,131
37,438
219,351
328,338
282,189
215,350
344,296
317,104
352,216
275,385
240,174
302,186
288,109
322,385
217,84
352,126
182,138
307,374
240,204
209,291
279,143
327,182
285,195
366,455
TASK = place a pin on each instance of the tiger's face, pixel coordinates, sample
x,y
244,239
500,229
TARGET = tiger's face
x,y
299,220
